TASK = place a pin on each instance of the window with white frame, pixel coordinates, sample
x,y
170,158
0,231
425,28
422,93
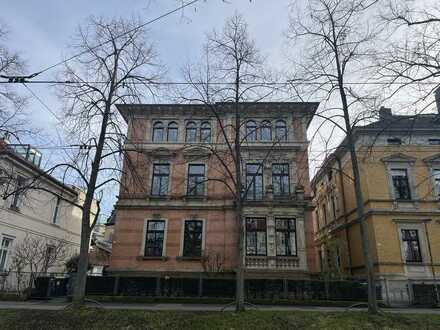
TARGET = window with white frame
x,y
154,238
18,195
401,186
285,237
280,130
5,251
196,180
256,236
254,181
193,238
160,181
251,131
411,245
436,178
56,210
205,132
172,132
158,132
280,180
191,132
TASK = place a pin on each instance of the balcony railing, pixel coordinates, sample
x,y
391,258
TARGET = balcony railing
x,y
272,262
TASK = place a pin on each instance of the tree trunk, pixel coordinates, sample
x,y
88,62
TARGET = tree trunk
x,y
372,303
79,290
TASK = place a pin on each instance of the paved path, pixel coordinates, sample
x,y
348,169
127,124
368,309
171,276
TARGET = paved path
x,y
59,305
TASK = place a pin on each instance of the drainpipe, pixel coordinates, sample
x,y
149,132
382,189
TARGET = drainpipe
x,y
437,296
344,207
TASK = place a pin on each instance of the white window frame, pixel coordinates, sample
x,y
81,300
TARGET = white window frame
x,y
8,251
182,235
144,236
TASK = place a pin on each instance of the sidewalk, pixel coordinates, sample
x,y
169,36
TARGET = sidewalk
x,y
59,305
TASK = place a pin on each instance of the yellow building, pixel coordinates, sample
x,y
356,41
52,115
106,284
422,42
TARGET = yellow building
x,y
399,159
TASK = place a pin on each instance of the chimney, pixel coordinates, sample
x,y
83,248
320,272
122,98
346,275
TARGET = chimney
x,y
437,98
385,113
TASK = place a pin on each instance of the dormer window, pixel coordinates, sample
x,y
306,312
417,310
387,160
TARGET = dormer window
x,y
266,131
158,132
394,141
172,132
191,132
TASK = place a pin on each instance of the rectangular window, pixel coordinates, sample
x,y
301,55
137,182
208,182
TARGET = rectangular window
x,y
256,236
196,180
394,141
56,211
18,195
5,250
411,245
285,237
280,180
154,238
401,184
333,198
193,238
324,213
161,176
436,176
254,181
434,141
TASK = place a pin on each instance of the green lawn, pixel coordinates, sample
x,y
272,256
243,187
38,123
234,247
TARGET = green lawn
x,y
129,319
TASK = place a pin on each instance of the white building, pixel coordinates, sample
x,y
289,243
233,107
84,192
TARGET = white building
x,y
49,212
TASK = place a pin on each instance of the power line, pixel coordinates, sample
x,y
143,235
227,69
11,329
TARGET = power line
x,y
22,79
277,83
43,104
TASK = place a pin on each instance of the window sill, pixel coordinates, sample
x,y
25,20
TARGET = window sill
x,y
195,258
158,197
162,258
414,263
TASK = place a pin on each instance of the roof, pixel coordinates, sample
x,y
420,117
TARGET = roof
x,y
305,108
407,123
387,123
4,151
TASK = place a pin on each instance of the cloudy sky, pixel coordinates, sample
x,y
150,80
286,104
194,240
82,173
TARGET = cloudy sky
x,y
41,31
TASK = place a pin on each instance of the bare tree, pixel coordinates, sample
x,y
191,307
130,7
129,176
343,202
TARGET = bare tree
x,y
410,66
38,255
117,65
338,41
232,78
11,103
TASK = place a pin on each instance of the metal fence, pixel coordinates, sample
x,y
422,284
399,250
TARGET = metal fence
x,y
390,292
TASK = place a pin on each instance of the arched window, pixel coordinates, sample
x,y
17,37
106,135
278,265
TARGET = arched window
x,y
158,132
191,132
251,131
205,132
172,132
266,131
281,130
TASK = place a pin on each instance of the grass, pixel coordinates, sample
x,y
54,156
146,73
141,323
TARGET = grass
x,y
89,318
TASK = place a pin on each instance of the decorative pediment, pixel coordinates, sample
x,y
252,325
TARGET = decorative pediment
x,y
195,153
432,159
399,158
